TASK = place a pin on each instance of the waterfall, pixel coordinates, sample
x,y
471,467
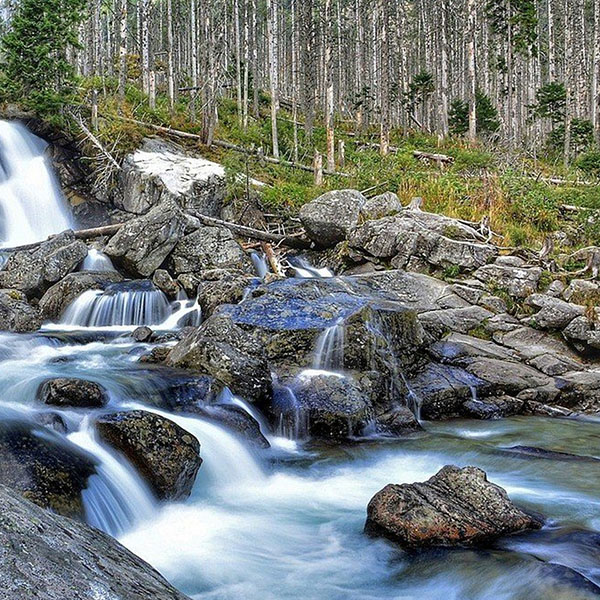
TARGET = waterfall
x,y
129,304
116,497
185,313
97,261
32,206
260,264
329,353
304,270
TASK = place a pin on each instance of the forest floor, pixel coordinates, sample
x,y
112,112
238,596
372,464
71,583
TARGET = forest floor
x,y
512,187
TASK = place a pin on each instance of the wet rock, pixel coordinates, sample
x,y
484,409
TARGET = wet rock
x,y
227,353
54,302
16,314
156,356
580,390
52,420
165,283
456,507
327,405
142,334
219,286
330,218
73,392
553,313
208,248
34,270
518,281
160,171
397,422
493,407
166,455
45,556
535,452
142,244
438,240
44,467
384,205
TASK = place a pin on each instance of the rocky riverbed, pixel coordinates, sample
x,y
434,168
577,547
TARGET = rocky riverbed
x,y
157,386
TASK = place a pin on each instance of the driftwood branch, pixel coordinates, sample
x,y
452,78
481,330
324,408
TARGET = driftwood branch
x,y
96,142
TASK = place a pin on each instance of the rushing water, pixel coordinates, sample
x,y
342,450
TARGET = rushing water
x,y
265,525
97,261
32,206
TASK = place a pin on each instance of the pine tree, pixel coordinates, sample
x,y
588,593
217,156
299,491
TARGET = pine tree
x,y
35,65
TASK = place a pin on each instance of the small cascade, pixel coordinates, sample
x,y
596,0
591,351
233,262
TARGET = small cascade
x,y
32,206
304,270
286,403
260,264
185,313
329,351
97,261
116,498
129,304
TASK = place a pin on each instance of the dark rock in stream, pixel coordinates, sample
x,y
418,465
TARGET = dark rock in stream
x,y
44,467
48,557
16,314
535,452
455,507
77,393
224,351
142,334
166,455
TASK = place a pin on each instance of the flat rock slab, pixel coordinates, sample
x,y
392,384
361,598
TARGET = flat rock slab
x,y
47,557
456,507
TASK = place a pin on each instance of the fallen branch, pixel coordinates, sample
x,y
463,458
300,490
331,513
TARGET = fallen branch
x,y
438,158
272,259
96,142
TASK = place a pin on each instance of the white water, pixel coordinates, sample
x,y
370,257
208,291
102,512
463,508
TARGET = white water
x,y
260,264
185,312
97,261
329,351
304,270
32,206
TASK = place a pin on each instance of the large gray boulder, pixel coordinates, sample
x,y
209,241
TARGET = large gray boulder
x,y
456,507
330,218
16,314
56,299
44,556
208,248
221,286
44,467
34,270
142,244
166,455
160,171
227,353
435,239
384,205
553,313
519,281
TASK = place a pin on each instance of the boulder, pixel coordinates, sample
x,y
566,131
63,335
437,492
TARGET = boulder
x,y
435,239
553,313
227,353
44,467
160,171
77,393
33,271
330,218
220,286
46,556
16,314
323,405
518,281
461,320
142,334
208,248
456,507
142,244
54,302
384,205
166,455
166,284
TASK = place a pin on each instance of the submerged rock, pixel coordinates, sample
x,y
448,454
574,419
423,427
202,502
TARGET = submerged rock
x,y
455,507
33,271
16,314
142,244
77,393
45,556
227,353
56,299
166,455
330,218
44,467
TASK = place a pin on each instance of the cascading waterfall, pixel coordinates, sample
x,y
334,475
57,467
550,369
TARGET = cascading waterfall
x,y
97,261
329,352
260,264
129,304
304,270
32,206
116,497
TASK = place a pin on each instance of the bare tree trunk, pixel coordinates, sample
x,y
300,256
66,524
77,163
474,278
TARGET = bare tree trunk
x,y
384,141
272,33
170,50
595,91
329,99
122,48
145,44
444,107
472,75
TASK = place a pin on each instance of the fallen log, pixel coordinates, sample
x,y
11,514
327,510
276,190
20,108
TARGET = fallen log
x,y
439,158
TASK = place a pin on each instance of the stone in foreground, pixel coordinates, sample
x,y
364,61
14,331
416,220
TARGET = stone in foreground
x,y
166,455
45,556
456,507
79,393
